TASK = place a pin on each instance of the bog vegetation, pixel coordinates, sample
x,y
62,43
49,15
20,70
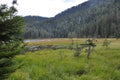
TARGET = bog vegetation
x,y
61,64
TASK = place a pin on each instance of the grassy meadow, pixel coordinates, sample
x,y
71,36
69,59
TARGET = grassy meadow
x,y
60,64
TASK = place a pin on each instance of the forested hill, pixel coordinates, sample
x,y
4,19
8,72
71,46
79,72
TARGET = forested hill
x,y
94,18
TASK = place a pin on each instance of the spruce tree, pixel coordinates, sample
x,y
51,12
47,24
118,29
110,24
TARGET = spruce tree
x,y
11,42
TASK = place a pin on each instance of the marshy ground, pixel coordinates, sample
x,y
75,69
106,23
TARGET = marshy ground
x,y
60,64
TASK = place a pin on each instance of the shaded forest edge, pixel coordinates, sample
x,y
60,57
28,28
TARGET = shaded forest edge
x,y
94,18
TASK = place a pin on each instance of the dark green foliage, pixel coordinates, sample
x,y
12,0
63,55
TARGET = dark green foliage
x,y
11,42
81,72
94,18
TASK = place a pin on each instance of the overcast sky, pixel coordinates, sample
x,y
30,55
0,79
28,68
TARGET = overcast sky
x,y
45,8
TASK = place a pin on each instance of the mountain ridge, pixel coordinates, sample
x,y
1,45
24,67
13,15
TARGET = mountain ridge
x,y
76,21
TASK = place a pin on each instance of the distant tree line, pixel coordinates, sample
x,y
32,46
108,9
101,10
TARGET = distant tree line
x,y
94,18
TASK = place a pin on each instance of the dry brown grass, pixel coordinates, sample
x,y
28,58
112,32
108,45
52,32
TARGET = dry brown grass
x,y
65,41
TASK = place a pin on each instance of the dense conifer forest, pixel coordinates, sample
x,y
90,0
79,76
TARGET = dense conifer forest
x,y
94,18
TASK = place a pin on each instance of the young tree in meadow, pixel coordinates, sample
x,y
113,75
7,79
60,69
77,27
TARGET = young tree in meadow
x,y
11,42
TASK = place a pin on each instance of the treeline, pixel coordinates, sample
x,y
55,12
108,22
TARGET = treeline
x,y
94,18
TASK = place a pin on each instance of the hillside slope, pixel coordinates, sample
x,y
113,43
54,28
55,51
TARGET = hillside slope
x,y
94,18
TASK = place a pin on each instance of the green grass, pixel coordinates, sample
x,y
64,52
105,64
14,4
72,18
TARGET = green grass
x,y
104,63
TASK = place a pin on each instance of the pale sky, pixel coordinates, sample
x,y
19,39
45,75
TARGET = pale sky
x,y
45,8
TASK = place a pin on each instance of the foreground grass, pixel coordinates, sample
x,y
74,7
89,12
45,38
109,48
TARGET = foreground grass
x,y
104,64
